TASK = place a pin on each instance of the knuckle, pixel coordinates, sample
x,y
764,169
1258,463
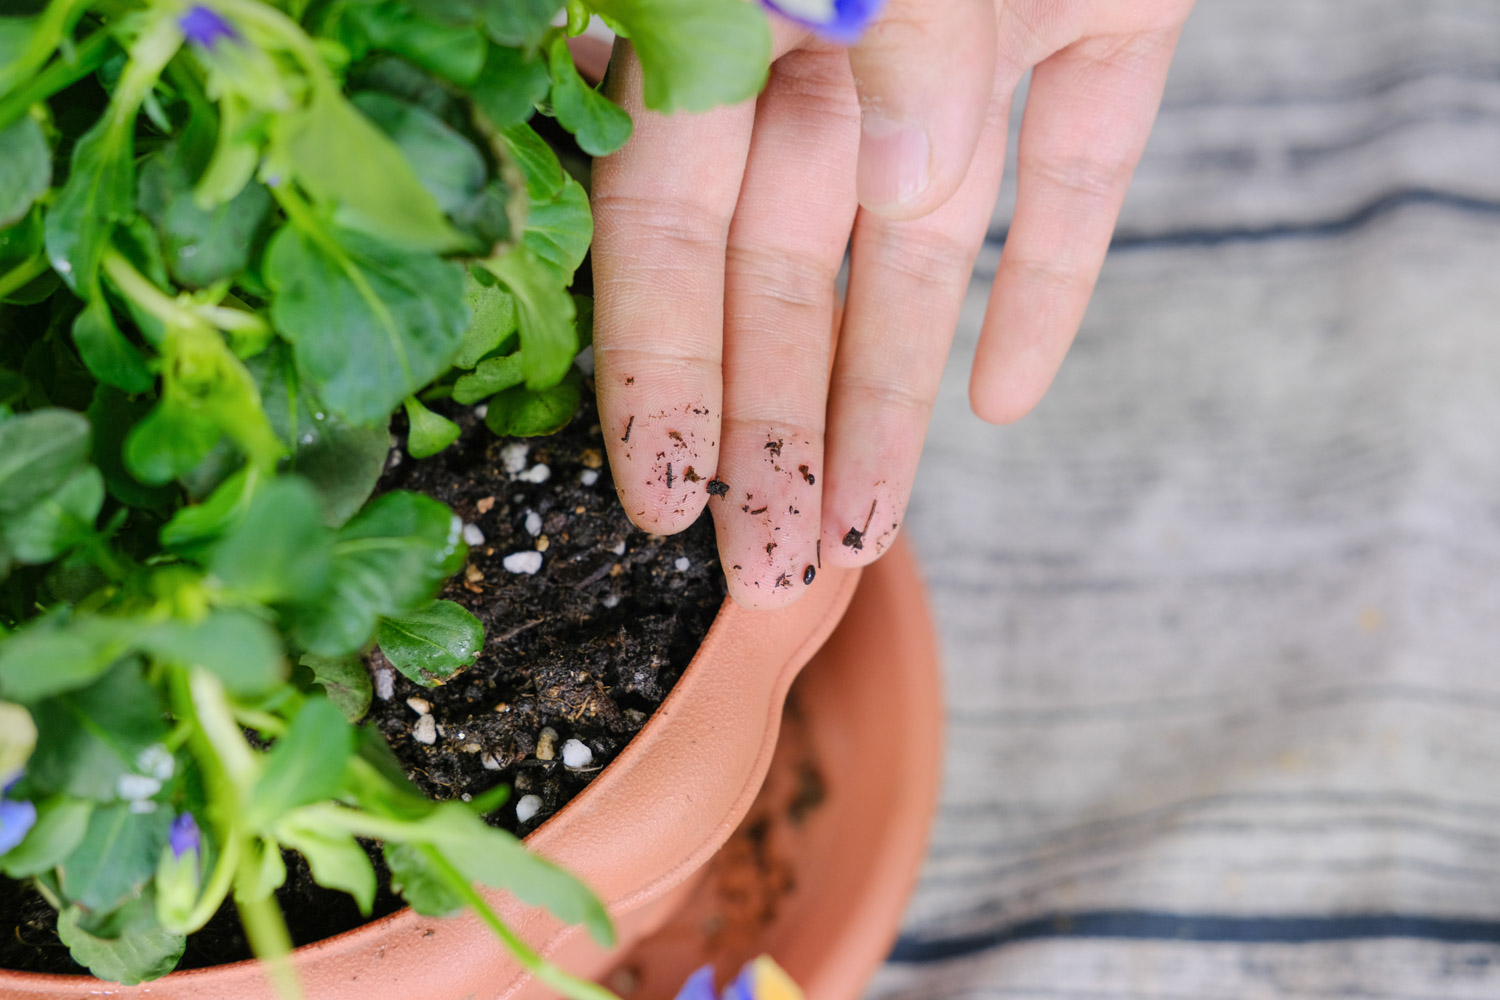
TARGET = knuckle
x,y
787,277
1093,178
685,223
886,393
924,254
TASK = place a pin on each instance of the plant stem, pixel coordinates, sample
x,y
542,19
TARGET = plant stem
x,y
545,972
22,273
266,931
63,73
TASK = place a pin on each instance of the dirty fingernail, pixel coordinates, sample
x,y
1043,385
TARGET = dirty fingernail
x,y
893,161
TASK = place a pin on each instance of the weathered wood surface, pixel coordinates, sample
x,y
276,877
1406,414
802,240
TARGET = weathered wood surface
x,y
1222,618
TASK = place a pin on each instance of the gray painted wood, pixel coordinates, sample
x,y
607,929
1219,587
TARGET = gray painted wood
x,y
1222,617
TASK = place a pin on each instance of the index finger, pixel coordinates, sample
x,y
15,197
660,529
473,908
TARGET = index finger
x,y
662,207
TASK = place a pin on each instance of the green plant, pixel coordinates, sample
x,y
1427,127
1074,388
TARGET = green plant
x,y
236,237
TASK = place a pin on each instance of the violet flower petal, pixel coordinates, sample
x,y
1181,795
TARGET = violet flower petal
x,y
204,26
16,818
699,986
841,21
184,836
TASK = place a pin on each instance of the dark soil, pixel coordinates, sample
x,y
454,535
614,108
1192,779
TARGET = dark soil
x,y
587,647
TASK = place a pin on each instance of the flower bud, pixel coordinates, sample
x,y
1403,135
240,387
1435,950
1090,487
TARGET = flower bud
x,y
179,874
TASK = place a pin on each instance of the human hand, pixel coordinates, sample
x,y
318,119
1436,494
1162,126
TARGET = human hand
x,y
718,238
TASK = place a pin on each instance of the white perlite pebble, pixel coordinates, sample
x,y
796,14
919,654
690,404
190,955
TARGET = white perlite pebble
x,y
610,600
522,562
528,806
619,548
425,731
472,534
482,410
513,456
588,477
577,754
536,474
385,684
419,705
585,360
682,564
489,762
533,523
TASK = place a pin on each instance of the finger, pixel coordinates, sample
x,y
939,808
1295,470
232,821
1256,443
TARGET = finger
x,y
907,283
1087,116
924,72
785,247
662,207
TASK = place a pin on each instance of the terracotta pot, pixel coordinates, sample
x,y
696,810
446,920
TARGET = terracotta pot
x,y
642,834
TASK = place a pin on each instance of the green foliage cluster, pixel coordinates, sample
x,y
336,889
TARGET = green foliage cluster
x,y
236,237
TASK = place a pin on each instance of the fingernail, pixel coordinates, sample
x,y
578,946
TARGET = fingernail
x,y
892,161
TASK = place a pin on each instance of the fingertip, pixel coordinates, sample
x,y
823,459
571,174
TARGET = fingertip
x,y
998,404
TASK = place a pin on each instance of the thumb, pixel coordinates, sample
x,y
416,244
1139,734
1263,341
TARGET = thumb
x,y
925,73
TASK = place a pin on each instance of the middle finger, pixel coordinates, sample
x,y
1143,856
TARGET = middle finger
x,y
785,245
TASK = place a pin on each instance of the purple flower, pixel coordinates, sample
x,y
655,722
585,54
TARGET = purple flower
x,y
184,836
205,28
699,986
842,21
760,979
17,816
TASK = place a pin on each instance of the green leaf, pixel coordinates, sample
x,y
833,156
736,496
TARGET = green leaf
x,y
342,462
172,441
39,451
25,168
544,315
304,766
429,646
371,324
512,83
336,859
492,312
343,160
518,22
448,165
695,54
240,649
50,527
99,193
497,859
423,888
116,857
544,172
600,125
112,358
493,375
135,949
194,527
59,652
280,551
345,680
523,412
388,560
428,432
59,829
201,245
453,51
112,415
558,231
87,740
